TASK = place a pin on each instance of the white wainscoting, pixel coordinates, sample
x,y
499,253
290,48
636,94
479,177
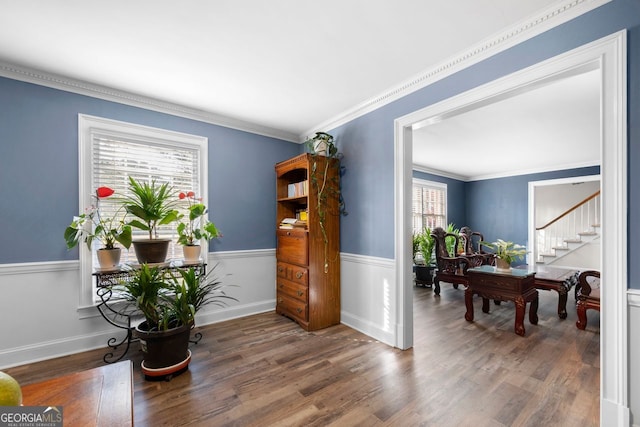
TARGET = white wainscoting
x,y
41,318
368,296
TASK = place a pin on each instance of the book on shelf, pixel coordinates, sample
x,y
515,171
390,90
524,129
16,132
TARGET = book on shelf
x,y
298,189
302,214
290,223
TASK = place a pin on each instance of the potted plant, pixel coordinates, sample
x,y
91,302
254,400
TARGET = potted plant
x,y
321,182
424,244
153,205
92,225
506,253
168,300
195,229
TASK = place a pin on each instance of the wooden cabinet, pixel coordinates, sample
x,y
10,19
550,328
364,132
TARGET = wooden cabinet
x,y
308,265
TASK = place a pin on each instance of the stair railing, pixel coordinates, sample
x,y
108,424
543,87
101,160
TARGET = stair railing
x,y
567,227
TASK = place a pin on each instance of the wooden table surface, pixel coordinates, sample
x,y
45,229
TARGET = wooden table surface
x,y
96,397
517,286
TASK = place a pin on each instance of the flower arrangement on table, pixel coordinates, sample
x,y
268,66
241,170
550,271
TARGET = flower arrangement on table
x,y
196,228
93,225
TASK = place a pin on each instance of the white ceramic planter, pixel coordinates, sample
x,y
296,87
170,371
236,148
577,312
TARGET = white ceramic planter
x,y
109,258
191,253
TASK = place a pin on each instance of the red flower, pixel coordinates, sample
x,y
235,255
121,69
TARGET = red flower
x,y
188,194
104,192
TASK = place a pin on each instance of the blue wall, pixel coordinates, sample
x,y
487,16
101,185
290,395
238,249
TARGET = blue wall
x,y
38,153
39,171
368,140
498,208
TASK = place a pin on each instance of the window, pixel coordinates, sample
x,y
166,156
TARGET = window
x,y
111,151
429,205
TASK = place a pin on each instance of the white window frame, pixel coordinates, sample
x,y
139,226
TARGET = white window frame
x,y
434,185
88,126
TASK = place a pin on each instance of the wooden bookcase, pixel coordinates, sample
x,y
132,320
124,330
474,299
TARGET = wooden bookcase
x,y
308,270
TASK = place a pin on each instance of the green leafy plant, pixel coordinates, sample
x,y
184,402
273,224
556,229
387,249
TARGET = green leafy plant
x,y
171,298
323,183
507,251
425,244
196,228
92,225
450,241
152,204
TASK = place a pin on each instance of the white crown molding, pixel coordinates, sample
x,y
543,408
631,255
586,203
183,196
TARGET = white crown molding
x,y
526,29
438,172
465,178
29,75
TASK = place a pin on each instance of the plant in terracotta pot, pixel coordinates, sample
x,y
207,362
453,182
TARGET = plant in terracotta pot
x,y
152,205
196,228
168,300
506,253
108,229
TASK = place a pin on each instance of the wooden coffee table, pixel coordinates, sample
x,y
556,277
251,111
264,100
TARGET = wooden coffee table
x,y
96,397
517,286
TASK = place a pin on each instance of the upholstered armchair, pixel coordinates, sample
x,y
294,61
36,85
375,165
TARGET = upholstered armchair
x,y
588,295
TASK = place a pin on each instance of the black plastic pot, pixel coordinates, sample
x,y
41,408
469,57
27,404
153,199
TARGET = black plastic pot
x,y
424,274
162,349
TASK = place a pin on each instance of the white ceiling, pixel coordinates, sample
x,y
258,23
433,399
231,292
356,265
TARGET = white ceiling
x,y
286,67
556,126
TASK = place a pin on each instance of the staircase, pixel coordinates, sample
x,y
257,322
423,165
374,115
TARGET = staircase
x,y
568,232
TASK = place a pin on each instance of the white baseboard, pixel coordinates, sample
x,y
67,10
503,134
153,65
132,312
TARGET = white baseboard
x,y
367,328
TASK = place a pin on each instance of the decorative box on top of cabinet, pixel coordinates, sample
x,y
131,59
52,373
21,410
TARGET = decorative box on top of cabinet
x,y
308,271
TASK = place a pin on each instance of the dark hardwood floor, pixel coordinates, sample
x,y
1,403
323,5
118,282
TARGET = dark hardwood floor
x,y
264,370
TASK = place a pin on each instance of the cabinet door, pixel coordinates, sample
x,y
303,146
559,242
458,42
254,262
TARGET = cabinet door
x,y
293,247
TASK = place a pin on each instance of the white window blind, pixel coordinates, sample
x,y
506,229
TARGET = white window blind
x,y
117,159
429,205
111,152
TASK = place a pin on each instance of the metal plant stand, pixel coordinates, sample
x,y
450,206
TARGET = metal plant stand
x,y
123,314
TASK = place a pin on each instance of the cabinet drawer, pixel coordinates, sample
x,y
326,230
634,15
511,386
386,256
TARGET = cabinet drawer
x,y
293,247
292,308
292,272
292,289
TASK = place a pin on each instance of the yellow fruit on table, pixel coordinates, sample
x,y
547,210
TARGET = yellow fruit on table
x,y
10,392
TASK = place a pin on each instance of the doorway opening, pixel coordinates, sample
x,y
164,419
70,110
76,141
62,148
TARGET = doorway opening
x,y
608,54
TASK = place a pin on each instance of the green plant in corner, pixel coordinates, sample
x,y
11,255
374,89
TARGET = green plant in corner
x,y
424,243
323,183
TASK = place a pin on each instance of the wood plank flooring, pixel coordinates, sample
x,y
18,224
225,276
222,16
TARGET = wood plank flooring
x,y
264,370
